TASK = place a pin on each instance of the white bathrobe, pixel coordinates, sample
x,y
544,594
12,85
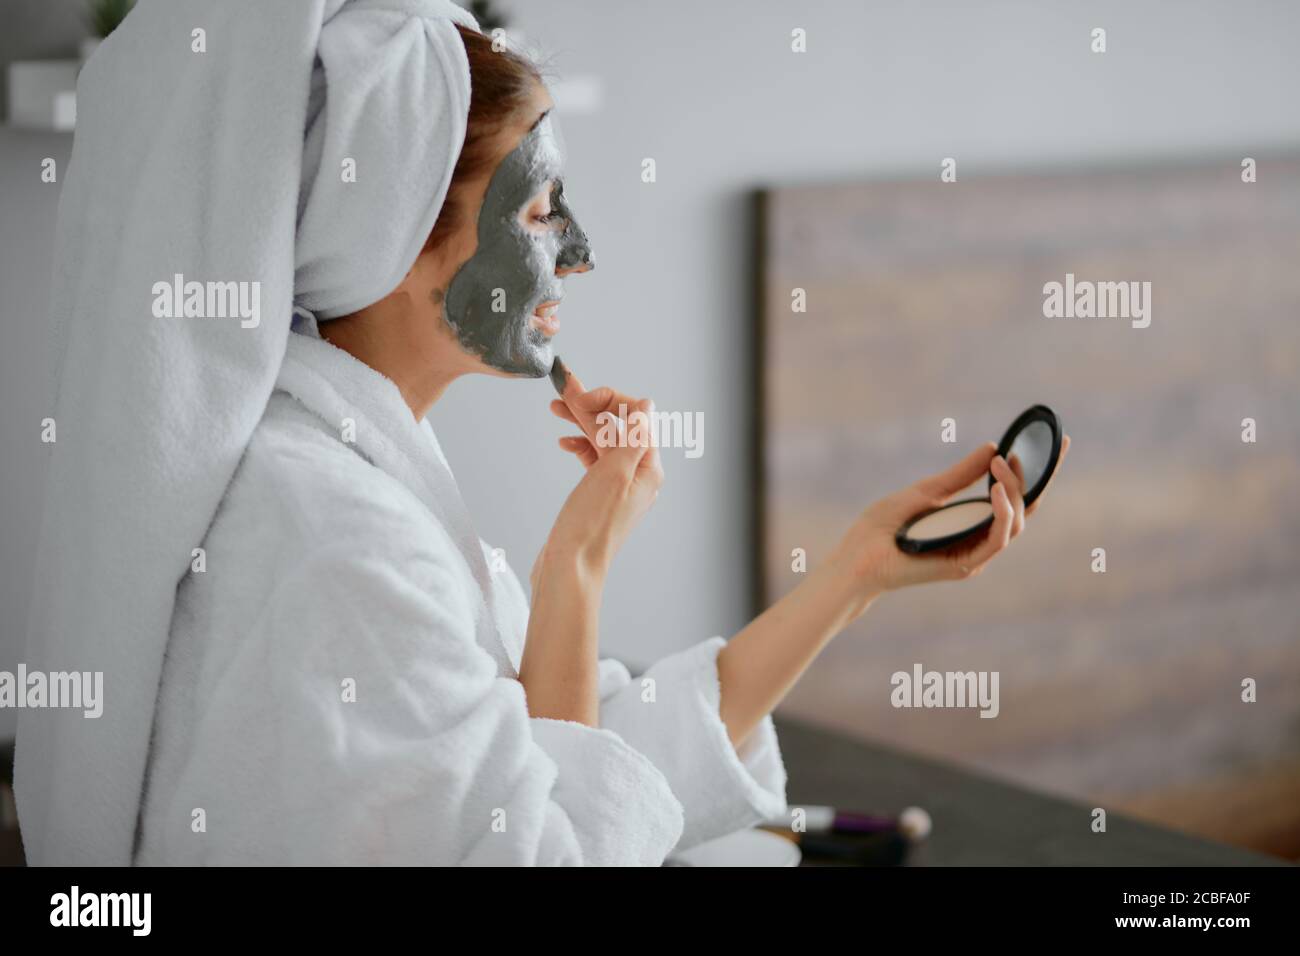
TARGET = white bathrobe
x,y
340,680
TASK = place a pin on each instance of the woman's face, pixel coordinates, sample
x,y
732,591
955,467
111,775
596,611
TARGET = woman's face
x,y
501,302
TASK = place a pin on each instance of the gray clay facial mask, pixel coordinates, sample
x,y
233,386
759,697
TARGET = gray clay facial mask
x,y
491,300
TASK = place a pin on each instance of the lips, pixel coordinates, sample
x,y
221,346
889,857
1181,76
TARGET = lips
x,y
545,319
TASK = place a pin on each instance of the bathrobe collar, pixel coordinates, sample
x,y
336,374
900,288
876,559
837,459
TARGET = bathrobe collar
x,y
337,387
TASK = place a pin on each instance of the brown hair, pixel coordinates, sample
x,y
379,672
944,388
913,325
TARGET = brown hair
x,y
501,86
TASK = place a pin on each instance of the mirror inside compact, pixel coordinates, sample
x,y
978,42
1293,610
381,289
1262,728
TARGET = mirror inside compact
x,y
1034,439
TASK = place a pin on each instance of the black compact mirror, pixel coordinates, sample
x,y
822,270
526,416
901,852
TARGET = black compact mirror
x,y
1035,439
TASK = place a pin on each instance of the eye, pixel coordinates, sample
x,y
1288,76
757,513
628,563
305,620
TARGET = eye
x,y
544,209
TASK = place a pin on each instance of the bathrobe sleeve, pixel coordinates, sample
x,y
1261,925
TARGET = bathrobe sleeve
x,y
399,742
671,714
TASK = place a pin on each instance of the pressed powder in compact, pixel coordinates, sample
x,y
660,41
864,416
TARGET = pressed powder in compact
x,y
950,520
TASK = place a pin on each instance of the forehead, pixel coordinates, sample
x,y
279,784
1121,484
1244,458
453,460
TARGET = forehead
x,y
538,158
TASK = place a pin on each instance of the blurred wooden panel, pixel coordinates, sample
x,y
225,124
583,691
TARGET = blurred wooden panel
x,y
925,302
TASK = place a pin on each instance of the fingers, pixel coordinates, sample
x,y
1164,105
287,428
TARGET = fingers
x,y
581,447
592,408
1007,495
623,461
651,467
1012,484
572,384
947,483
999,535
635,460
632,420
1065,448
1019,470
635,456
640,415
561,410
586,408
573,390
595,401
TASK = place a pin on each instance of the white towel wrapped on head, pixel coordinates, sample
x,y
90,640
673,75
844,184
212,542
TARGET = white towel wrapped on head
x,y
200,127
305,146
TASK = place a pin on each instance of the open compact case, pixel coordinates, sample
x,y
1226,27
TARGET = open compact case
x,y
1035,439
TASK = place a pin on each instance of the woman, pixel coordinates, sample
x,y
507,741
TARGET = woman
x,y
352,678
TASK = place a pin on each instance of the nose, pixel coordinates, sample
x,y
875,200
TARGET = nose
x,y
575,251
563,271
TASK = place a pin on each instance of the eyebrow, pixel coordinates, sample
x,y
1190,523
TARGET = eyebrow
x,y
545,114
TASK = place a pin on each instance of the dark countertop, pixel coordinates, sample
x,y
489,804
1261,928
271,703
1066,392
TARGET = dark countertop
x,y
979,821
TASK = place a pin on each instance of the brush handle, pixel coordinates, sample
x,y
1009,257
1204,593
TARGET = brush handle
x,y
849,822
821,819
880,849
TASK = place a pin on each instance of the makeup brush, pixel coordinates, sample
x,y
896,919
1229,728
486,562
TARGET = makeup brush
x,y
913,824
559,375
887,848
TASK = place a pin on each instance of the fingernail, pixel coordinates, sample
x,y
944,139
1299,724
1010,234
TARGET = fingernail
x,y
559,375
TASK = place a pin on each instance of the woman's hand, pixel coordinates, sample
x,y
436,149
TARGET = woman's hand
x,y
868,549
760,664
559,664
622,480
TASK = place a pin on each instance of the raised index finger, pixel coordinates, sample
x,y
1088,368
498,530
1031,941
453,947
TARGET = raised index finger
x,y
568,386
587,406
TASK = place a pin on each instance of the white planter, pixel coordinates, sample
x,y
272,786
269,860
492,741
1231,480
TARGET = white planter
x,y
39,91
88,47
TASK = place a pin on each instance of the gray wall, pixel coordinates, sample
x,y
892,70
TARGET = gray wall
x,y
38,30
29,30
714,95
27,208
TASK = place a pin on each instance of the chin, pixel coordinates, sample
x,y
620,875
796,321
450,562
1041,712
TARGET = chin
x,y
535,355
540,367
530,360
